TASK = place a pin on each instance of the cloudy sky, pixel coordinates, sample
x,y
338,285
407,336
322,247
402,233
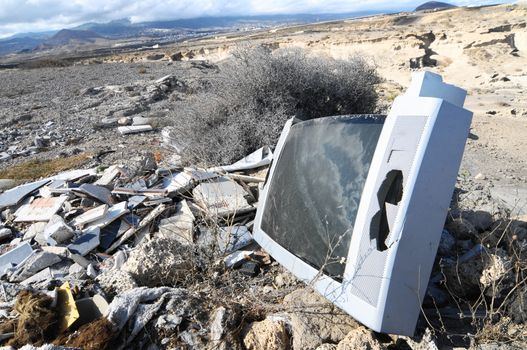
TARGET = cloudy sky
x,y
40,15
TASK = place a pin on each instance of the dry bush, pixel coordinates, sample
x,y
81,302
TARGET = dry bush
x,y
253,95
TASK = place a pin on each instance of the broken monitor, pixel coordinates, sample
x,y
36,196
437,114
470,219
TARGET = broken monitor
x,y
355,205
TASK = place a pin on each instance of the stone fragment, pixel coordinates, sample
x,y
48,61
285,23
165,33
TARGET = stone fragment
x,y
34,230
36,263
461,229
310,328
5,233
481,220
87,242
360,338
114,282
14,257
140,121
56,231
180,226
221,197
267,335
125,130
224,240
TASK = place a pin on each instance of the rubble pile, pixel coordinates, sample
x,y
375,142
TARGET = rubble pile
x,y
144,254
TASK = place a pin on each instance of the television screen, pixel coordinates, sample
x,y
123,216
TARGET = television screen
x,y
321,157
355,205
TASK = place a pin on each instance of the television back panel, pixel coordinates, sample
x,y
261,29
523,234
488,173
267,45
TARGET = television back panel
x,y
399,204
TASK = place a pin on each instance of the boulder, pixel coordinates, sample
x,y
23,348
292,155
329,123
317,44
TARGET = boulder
x,y
314,320
360,338
266,335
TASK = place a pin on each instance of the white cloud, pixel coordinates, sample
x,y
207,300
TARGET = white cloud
x,y
39,15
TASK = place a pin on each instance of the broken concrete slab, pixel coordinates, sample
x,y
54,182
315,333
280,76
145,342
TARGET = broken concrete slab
x,y
180,226
126,130
41,209
113,213
91,309
136,121
221,197
34,264
130,232
56,231
86,243
90,215
15,195
186,180
109,175
73,175
14,257
102,194
42,276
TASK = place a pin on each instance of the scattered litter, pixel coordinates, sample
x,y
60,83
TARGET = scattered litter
x,y
221,197
257,159
125,130
17,194
87,242
14,257
66,306
41,209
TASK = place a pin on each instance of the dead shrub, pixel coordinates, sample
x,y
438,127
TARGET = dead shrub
x,y
248,102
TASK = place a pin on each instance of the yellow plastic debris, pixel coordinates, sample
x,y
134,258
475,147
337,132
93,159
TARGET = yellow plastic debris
x,y
67,308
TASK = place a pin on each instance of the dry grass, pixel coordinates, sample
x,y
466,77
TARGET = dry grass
x,y
37,168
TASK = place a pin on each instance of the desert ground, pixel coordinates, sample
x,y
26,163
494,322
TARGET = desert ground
x,y
72,112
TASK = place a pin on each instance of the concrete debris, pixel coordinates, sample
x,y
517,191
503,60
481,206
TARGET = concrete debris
x,y
17,194
35,263
135,129
90,216
117,241
221,197
87,242
225,240
57,231
180,226
41,209
14,256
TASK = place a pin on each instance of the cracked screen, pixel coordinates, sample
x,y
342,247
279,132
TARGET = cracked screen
x,y
316,188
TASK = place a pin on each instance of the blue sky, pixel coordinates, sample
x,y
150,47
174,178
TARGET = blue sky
x,y
40,15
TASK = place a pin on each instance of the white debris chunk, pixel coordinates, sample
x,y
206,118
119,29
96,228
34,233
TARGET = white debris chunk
x,y
221,197
125,130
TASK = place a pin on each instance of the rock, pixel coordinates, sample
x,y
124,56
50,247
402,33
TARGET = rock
x,y
447,244
360,338
327,347
314,320
124,121
114,282
180,226
140,121
461,229
250,268
4,233
160,261
266,335
36,263
497,270
480,176
56,231
425,343
481,220
217,324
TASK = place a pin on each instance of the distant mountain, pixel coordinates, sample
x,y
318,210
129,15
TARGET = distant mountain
x,y
166,30
18,44
67,36
434,5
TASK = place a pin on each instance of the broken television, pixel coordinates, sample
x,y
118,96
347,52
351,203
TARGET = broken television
x,y
355,205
